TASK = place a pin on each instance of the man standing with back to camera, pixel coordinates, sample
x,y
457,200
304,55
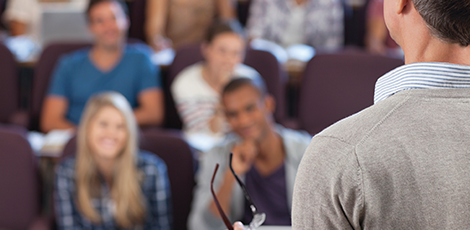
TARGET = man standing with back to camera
x,y
403,163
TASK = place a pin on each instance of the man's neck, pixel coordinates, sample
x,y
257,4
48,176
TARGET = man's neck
x,y
430,49
271,153
105,58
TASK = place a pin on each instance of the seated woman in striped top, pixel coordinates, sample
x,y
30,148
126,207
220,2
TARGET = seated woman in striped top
x,y
110,183
196,90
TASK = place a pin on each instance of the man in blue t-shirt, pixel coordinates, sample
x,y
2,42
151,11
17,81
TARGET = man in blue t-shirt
x,y
109,65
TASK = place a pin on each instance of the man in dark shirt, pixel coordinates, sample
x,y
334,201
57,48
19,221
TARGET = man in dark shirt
x,y
265,155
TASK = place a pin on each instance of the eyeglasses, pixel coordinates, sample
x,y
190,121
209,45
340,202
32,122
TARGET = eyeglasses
x,y
258,218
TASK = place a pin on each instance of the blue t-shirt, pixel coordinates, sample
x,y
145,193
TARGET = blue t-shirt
x,y
77,79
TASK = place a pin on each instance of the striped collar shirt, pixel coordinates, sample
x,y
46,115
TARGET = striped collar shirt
x,y
424,75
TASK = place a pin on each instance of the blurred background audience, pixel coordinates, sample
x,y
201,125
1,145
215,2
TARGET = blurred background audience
x,y
174,23
56,54
288,22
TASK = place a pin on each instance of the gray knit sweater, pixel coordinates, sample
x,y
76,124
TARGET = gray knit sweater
x,y
403,163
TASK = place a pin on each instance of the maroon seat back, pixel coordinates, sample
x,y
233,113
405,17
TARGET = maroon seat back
x,y
178,157
137,17
179,160
43,74
2,9
338,85
9,87
19,185
263,62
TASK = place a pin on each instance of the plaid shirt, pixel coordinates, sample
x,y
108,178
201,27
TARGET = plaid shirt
x,y
155,187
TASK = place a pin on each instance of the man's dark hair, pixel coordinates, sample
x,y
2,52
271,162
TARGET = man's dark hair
x,y
448,20
223,26
93,3
239,82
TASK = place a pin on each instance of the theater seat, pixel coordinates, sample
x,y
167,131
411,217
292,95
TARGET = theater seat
x,y
179,160
9,90
263,62
137,16
338,85
19,184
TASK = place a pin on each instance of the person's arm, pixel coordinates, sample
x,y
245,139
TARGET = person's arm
x,y
157,15
150,110
53,114
65,209
160,204
328,191
17,28
225,9
56,103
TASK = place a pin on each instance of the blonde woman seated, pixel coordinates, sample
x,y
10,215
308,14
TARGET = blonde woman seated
x,y
196,90
110,183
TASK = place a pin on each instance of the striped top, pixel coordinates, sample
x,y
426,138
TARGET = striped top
x,y
424,75
197,104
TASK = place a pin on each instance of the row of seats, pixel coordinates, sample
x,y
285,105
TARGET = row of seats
x,y
333,86
20,189
265,63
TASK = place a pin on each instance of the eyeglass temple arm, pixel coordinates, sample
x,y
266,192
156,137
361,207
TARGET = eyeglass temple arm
x,y
253,207
219,208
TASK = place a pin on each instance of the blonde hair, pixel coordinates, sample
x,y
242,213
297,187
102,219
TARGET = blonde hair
x,y
126,191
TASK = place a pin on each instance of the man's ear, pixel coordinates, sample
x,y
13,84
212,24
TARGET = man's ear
x,y
270,103
400,5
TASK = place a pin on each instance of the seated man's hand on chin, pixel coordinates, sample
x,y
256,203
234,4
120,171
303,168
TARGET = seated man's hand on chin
x,y
243,156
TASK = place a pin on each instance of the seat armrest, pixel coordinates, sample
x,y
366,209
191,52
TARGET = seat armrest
x,y
41,223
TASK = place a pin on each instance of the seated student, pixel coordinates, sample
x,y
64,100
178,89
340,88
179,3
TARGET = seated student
x,y
196,90
110,184
109,65
266,155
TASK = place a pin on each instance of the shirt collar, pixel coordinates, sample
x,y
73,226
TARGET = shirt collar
x,y
423,75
